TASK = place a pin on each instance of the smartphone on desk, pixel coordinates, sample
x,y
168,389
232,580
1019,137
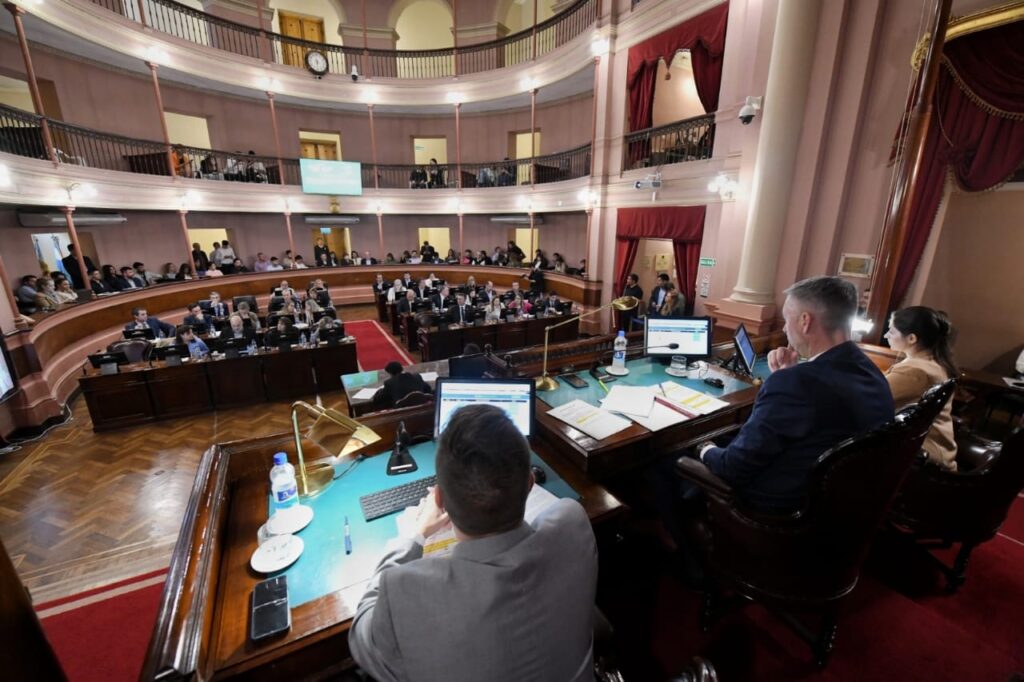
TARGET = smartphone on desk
x,y
598,373
271,614
573,380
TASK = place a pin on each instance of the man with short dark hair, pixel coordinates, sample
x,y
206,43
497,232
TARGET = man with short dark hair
x,y
398,385
145,275
129,280
195,319
70,263
460,313
658,293
515,598
218,308
633,289
142,320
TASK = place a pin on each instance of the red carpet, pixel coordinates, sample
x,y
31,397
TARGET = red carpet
x,y
101,635
375,347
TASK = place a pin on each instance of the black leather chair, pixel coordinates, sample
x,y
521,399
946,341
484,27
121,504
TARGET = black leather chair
x,y
414,398
936,508
807,561
136,350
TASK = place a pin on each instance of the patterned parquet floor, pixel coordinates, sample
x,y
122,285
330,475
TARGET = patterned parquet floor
x,y
80,509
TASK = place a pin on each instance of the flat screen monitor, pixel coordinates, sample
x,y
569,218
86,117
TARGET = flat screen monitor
x,y
744,350
513,396
689,336
146,333
179,349
467,366
98,359
331,177
332,335
8,384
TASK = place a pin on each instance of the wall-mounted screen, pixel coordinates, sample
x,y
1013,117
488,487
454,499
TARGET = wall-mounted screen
x,y
331,177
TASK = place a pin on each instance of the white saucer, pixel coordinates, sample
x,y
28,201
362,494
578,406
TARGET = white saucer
x,y
290,520
276,553
617,371
682,373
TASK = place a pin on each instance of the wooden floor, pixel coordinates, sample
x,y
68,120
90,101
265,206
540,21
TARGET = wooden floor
x,y
80,509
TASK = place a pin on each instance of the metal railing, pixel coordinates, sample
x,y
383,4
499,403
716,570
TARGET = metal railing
x,y
21,134
687,140
206,29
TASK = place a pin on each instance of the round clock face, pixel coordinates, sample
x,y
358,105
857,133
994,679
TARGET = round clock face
x,y
317,62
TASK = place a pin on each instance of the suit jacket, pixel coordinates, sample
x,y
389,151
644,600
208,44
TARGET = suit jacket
x,y
404,306
74,274
100,287
657,298
123,283
219,310
799,413
397,387
156,325
513,606
453,316
248,333
199,326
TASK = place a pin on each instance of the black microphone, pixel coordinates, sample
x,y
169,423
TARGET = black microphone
x,y
401,460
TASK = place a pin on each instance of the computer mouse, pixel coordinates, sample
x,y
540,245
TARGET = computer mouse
x,y
539,475
714,381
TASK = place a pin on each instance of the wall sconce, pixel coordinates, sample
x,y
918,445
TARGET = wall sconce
x,y
268,84
77,191
189,200
454,97
154,55
528,83
370,96
5,175
456,206
378,208
599,46
586,198
725,186
525,203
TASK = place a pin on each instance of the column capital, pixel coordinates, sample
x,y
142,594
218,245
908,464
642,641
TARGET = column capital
x,y
16,10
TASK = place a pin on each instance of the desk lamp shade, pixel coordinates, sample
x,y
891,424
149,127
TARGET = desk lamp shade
x,y
335,432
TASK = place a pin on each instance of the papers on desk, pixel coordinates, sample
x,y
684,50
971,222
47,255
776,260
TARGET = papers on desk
x,y
537,501
688,401
632,401
661,417
593,421
1013,383
429,377
365,394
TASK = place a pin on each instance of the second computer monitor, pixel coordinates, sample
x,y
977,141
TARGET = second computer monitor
x,y
689,336
744,350
513,396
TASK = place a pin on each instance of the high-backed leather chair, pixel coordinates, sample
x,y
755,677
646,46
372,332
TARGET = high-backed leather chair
x,y
807,561
136,350
414,398
938,508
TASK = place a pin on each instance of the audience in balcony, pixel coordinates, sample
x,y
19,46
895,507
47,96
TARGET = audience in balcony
x,y
184,273
320,249
70,263
288,262
214,271
200,258
436,175
275,265
64,293
147,276
515,254
255,171
324,260
238,267
299,263
98,284
129,280
540,261
559,263
418,178
452,258
507,174
46,296
485,177
26,294
390,259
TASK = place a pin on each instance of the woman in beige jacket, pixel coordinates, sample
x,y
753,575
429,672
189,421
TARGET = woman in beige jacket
x,y
923,336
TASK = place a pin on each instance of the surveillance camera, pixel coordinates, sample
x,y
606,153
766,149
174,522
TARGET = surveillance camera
x,y
749,110
355,73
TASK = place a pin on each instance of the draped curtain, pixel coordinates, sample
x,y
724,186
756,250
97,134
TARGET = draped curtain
x,y
684,225
704,37
976,131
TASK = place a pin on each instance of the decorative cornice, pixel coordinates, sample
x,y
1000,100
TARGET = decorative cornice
x,y
353,34
245,7
494,29
985,19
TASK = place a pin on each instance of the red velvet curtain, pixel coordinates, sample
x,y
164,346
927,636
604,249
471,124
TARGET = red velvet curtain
x,y
704,37
977,131
684,225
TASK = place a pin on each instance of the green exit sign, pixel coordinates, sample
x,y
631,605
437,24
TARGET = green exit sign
x,y
707,262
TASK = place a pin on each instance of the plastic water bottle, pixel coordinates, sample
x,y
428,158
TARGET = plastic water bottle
x,y
619,351
252,347
302,339
283,486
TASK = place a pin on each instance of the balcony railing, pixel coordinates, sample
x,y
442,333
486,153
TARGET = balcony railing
x,y
21,134
687,140
206,29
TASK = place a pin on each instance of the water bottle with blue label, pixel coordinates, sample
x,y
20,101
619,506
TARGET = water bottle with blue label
x,y
619,351
283,486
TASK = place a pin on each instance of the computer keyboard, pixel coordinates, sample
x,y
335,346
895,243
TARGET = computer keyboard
x,y
390,500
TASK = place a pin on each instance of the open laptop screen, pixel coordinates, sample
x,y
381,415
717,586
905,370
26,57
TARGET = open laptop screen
x,y
514,396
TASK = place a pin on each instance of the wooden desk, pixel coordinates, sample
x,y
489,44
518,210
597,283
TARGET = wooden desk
x,y
445,342
202,629
374,379
141,393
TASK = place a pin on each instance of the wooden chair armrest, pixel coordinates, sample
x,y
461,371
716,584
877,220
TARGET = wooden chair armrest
x,y
696,471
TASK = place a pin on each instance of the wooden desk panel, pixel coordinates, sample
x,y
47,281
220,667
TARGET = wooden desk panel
x,y
236,381
117,400
330,362
179,391
288,374
445,342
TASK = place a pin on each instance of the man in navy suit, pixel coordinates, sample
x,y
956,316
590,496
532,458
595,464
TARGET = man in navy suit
x,y
142,320
803,409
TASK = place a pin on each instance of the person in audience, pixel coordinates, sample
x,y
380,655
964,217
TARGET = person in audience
x,y
214,271
513,292
129,280
482,258
197,348
467,258
406,256
275,265
460,313
506,175
324,260
97,284
168,271
312,306
582,272
200,257
246,313
658,293
505,570
255,170
414,258
674,306
520,305
277,334
26,293
418,178
633,289
493,310
368,259
559,263
427,251
215,254
515,254
804,408
396,291
325,323
238,267
398,385
142,320
863,301
284,289
198,320
218,308
148,278
435,177
439,301
486,177
346,260
320,250
70,263
540,261
288,262
110,277
498,256
227,258
452,258
184,272
299,264
64,292
407,304
390,259
46,295
471,287
924,337
238,330
261,264
334,262
536,277
487,293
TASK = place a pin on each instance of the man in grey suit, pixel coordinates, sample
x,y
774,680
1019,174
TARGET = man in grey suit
x,y
513,601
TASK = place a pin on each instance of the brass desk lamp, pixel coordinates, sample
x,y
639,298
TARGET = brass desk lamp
x,y
335,432
546,383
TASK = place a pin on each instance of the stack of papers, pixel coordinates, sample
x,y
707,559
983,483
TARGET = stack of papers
x,y
632,401
688,401
593,421
429,376
365,394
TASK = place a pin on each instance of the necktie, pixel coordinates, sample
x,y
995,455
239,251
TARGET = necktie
x,y
462,315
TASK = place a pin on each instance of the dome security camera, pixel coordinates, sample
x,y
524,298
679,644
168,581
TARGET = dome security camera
x,y
355,73
749,110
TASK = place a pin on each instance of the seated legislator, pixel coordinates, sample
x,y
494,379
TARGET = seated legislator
x,y
398,385
513,601
200,323
142,320
246,314
923,336
460,313
804,408
405,305
197,348
493,311
439,301
275,335
237,330
218,308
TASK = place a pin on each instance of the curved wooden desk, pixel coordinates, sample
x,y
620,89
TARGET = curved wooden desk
x,y
48,358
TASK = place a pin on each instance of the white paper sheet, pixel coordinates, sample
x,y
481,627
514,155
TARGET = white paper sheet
x,y
687,400
593,421
429,377
537,501
365,394
661,417
632,401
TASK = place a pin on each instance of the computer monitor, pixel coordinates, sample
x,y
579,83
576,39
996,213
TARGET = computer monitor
x,y
513,396
745,355
178,349
468,366
146,333
99,359
332,335
689,336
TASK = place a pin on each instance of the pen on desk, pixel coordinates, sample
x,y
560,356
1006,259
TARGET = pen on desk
x,y
601,384
348,538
